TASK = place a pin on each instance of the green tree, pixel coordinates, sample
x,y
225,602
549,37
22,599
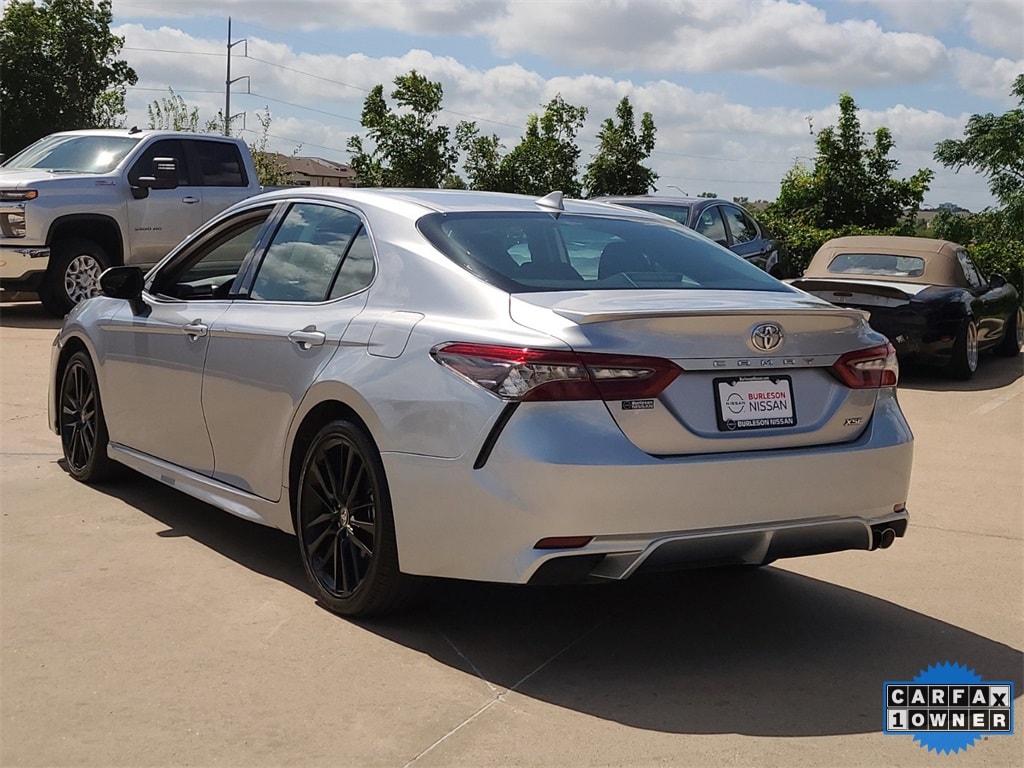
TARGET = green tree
x,y
617,168
546,157
408,150
483,158
270,168
993,145
708,194
173,113
851,182
59,60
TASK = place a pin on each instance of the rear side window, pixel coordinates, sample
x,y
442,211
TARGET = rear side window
x,y
220,164
882,264
525,252
314,256
741,226
680,213
710,224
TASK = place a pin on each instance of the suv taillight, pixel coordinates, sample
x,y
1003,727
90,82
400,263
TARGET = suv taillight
x,y
516,373
869,368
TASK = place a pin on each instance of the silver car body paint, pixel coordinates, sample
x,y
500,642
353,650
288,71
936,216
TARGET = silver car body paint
x,y
215,412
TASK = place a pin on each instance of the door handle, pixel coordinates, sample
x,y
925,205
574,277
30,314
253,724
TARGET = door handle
x,y
195,329
190,199
308,337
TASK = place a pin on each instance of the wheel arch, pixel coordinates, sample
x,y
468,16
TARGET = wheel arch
x,y
324,408
102,230
69,347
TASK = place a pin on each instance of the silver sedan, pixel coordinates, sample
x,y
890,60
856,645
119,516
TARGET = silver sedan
x,y
489,387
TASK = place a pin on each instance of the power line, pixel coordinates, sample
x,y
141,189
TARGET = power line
x,y
301,106
168,50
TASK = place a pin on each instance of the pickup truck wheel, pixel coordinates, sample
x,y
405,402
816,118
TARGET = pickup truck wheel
x,y
73,275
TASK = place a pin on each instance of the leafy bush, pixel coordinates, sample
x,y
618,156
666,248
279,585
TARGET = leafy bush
x,y
1005,257
803,240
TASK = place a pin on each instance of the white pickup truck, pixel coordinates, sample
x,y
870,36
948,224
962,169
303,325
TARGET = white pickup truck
x,y
74,203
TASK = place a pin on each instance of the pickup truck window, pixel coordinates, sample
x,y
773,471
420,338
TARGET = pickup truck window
x,y
220,164
163,148
82,154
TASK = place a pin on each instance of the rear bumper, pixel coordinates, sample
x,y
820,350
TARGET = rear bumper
x,y
558,471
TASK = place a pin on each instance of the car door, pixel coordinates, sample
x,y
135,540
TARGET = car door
x,y
161,219
745,237
267,350
153,370
991,304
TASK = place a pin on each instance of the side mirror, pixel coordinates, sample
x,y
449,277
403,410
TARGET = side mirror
x,y
165,176
122,282
996,281
125,283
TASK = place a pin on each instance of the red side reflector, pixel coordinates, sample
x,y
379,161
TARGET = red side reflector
x,y
563,542
901,507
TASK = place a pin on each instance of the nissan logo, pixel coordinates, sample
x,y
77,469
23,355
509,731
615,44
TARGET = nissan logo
x,y
766,336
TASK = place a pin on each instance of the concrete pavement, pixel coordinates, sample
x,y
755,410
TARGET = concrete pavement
x,y
141,627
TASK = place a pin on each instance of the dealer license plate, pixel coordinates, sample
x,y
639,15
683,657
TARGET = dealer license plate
x,y
754,402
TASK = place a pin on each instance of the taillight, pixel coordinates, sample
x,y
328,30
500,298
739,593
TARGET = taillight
x,y
869,368
515,373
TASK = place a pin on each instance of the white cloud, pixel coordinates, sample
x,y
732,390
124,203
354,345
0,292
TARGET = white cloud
x,y
706,142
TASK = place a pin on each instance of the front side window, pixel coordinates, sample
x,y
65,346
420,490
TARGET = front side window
x,y
970,270
525,252
305,254
881,264
164,148
209,269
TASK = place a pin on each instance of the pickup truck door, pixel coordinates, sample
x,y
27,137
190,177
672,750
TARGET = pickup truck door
x,y
161,219
221,174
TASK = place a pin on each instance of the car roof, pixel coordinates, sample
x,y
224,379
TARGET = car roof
x,y
942,267
662,199
417,202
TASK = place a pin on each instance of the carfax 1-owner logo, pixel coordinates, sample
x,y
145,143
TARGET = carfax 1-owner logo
x,y
948,707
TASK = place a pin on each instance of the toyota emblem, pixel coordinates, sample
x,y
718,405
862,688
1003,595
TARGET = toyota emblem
x,y
766,337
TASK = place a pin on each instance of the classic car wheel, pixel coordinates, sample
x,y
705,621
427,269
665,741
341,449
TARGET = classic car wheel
x,y
345,526
1013,335
83,431
965,351
73,275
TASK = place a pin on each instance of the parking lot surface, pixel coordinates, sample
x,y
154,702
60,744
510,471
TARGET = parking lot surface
x,y
142,627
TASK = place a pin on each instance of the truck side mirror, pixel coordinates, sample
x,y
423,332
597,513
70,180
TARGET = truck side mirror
x,y
165,176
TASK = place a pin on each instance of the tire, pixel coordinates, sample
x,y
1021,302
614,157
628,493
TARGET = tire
x,y
83,430
73,275
964,361
345,526
1013,335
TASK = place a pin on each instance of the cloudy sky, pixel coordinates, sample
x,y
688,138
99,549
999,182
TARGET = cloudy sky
x,y
735,86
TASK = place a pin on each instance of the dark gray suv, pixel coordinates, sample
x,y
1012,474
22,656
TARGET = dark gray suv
x,y
725,222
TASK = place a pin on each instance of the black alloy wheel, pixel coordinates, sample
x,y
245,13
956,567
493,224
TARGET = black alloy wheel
x,y
345,526
83,431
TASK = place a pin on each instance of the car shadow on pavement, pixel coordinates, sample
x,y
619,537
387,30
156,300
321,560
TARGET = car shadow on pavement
x,y
765,652
29,315
993,373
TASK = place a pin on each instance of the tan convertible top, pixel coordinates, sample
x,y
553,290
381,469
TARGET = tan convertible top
x,y
940,257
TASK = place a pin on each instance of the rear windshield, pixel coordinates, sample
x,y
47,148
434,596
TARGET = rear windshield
x,y
529,252
680,213
882,264
81,154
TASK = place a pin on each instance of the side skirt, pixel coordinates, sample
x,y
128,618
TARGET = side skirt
x,y
230,499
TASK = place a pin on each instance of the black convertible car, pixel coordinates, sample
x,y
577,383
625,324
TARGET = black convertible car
x,y
926,295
